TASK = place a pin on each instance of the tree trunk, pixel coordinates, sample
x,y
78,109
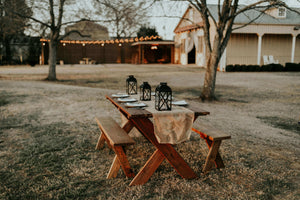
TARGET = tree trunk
x,y
208,91
52,60
8,56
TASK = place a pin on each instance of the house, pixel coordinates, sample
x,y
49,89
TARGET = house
x,y
88,43
274,34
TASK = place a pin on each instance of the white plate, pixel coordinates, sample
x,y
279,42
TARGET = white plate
x,y
126,100
120,95
180,103
135,105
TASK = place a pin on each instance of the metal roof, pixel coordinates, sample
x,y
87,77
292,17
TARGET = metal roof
x,y
292,18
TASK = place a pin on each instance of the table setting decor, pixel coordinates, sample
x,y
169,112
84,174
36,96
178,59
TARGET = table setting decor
x,y
131,85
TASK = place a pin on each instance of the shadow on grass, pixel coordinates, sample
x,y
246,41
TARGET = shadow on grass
x,y
108,83
282,123
272,186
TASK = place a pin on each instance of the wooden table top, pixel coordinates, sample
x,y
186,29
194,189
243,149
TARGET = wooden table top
x,y
142,113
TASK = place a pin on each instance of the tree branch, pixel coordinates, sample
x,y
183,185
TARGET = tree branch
x,y
73,31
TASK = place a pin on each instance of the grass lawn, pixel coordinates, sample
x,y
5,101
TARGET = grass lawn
x,y
48,134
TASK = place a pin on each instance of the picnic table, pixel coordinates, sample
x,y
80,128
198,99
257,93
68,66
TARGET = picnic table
x,y
140,119
86,60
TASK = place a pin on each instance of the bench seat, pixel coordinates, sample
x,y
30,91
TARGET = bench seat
x,y
213,138
117,139
116,136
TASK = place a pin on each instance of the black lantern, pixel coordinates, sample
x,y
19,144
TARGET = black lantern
x,y
131,85
163,97
145,92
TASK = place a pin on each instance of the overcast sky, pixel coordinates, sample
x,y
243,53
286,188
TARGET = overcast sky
x,y
165,26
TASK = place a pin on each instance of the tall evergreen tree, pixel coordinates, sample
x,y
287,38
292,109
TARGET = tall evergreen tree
x,y
12,25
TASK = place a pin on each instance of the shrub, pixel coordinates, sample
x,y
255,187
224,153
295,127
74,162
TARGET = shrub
x,y
277,67
244,68
229,68
237,68
292,67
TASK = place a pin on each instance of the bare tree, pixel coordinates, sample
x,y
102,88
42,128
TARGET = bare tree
x,y
49,18
228,10
123,17
10,25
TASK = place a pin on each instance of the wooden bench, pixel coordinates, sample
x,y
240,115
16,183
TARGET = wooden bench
x,y
213,138
116,138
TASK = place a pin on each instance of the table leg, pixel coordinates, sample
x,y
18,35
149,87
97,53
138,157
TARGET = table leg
x,y
128,126
145,126
149,168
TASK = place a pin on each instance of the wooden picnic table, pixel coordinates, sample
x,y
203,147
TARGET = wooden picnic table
x,y
87,60
139,118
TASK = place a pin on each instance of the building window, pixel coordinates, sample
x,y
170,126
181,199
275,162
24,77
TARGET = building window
x,y
281,12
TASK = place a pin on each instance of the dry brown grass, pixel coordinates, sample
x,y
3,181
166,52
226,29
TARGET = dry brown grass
x,y
48,134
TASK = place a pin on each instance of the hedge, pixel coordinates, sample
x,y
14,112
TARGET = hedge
x,y
289,67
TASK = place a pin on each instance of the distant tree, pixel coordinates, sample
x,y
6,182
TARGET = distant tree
x,y
146,31
50,20
123,17
12,25
34,50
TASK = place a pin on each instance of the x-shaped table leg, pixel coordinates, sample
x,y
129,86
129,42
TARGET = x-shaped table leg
x,y
163,151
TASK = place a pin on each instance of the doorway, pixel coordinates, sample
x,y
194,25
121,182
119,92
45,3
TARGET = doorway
x,y
191,56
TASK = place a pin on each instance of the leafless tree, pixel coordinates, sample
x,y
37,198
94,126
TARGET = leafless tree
x,y
123,17
228,10
11,25
49,17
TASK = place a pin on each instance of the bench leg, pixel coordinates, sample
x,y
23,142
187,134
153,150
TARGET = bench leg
x,y
122,161
114,169
212,156
100,142
218,161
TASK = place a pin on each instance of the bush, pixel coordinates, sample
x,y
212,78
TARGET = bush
x,y
292,67
237,68
264,68
244,68
229,68
277,67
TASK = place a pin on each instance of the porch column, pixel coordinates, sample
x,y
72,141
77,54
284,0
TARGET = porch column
x,y
259,48
293,48
223,61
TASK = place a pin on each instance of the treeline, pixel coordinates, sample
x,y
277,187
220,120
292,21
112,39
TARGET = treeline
x,y
289,67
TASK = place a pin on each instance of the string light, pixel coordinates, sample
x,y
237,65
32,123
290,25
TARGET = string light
x,y
102,42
